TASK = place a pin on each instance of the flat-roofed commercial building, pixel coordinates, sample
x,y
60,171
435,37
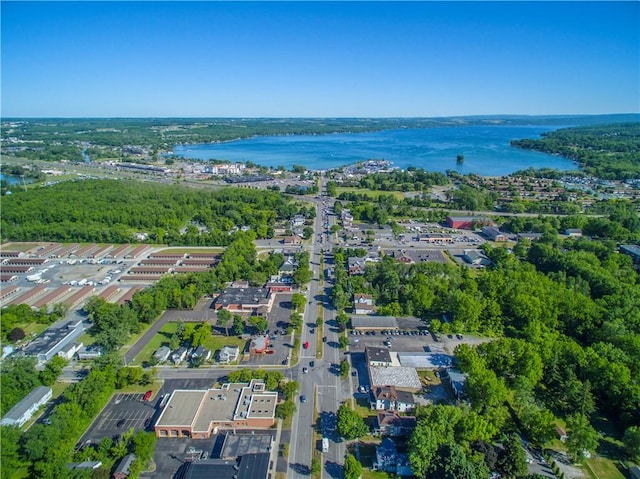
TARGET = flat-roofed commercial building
x,y
200,413
52,340
245,299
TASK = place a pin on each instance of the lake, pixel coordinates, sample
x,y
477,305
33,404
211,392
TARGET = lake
x,y
486,149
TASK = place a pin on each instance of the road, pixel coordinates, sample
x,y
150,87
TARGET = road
x,y
322,385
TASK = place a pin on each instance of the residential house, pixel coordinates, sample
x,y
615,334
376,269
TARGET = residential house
x,y
387,398
228,354
201,352
292,240
162,354
297,221
457,381
388,459
122,471
475,257
68,351
179,355
390,423
363,303
562,434
355,265
573,232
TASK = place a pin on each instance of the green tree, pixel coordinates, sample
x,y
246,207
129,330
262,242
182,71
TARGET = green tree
x,y
343,341
631,440
298,301
352,468
224,316
9,451
238,324
316,466
52,370
513,460
200,334
344,369
350,424
582,436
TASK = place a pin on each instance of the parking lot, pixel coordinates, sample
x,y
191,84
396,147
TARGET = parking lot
x,y
124,411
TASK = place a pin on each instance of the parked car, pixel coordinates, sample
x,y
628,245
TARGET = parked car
x,y
303,399
121,423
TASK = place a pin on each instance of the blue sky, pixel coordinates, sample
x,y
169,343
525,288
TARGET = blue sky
x,y
248,59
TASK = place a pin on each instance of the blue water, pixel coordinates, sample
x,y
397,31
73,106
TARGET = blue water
x,y
14,180
486,149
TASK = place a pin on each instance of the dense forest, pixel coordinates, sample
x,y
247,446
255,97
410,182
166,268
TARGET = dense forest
x,y
604,151
110,211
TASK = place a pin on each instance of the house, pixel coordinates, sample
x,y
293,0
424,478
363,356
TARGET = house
x,y
573,232
162,354
390,423
355,265
201,352
278,287
634,472
631,250
68,351
387,398
22,412
388,459
297,221
493,233
562,434
122,471
179,355
200,413
259,345
91,352
228,354
363,303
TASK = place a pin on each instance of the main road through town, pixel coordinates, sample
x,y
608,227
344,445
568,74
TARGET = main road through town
x,y
321,386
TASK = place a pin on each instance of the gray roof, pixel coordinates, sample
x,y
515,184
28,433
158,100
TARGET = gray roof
x,y
374,322
17,412
125,464
253,466
246,295
209,469
425,360
377,354
53,338
400,377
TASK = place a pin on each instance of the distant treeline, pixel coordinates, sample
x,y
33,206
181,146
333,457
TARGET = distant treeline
x,y
604,151
111,211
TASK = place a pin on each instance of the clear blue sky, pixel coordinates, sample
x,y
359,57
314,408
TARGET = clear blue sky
x,y
69,59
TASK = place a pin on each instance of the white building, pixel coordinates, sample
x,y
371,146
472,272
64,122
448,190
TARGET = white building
x,y
22,412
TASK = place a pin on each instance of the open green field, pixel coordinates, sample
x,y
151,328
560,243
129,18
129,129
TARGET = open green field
x,y
602,468
213,343
399,195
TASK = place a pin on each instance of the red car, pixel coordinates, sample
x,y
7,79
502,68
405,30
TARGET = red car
x,y
147,395
306,345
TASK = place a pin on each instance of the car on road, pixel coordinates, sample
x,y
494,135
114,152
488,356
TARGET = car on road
x,y
305,370
312,331
120,423
303,399
306,345
459,336
147,422
312,363
324,339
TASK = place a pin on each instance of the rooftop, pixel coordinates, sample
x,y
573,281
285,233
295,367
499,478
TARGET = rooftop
x,y
374,322
377,354
245,295
398,376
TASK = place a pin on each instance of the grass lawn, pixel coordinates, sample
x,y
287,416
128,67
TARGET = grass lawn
x,y
603,468
369,474
213,343
399,195
32,329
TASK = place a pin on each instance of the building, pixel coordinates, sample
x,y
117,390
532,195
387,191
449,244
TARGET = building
x,y
390,460
228,354
435,238
22,412
390,423
179,355
573,232
632,250
200,413
363,304
377,356
162,354
400,377
475,257
370,322
249,466
562,434
388,398
493,233
52,340
201,352
457,380
68,351
355,265
245,300
292,240
467,222
259,345
90,352
122,471
634,472
297,221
